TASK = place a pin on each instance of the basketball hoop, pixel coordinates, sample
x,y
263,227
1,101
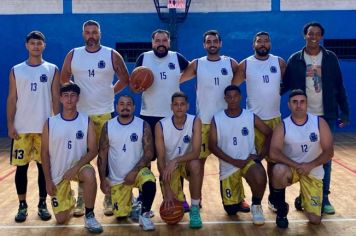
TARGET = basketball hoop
x,y
176,4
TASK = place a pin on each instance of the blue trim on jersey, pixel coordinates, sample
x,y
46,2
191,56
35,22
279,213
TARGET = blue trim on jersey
x,y
183,123
112,59
261,59
133,117
284,127
94,51
76,116
34,65
291,118
233,116
195,117
213,60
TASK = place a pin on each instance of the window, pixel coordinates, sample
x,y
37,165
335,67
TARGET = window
x,y
130,51
343,48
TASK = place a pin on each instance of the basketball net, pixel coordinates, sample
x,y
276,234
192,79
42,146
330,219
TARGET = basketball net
x,y
176,4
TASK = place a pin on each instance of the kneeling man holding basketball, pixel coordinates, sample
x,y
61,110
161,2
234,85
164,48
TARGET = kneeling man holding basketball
x,y
125,151
178,140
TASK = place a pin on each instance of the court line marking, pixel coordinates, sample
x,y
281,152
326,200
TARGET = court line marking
x,y
163,224
344,165
7,175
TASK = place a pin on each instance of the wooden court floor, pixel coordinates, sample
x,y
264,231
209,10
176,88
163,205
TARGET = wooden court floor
x,y
216,222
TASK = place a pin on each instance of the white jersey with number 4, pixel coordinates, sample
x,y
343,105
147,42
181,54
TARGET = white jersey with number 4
x,y
302,142
235,137
34,96
94,74
125,147
67,143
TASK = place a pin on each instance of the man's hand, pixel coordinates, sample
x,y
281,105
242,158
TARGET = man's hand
x,y
170,167
71,173
12,132
105,186
304,169
130,178
51,188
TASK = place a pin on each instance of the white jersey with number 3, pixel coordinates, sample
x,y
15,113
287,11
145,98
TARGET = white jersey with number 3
x,y
94,74
125,147
235,137
302,142
67,143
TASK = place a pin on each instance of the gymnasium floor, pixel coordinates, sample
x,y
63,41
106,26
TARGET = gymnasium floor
x,y
215,221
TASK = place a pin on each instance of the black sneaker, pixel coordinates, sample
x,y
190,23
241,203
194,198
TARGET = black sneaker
x,y
298,203
243,206
21,215
43,213
282,222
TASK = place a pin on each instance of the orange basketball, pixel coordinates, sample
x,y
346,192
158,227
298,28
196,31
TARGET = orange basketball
x,y
141,77
172,215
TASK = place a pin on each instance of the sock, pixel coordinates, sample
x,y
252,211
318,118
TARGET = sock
x,y
256,200
280,203
195,202
88,210
42,202
23,204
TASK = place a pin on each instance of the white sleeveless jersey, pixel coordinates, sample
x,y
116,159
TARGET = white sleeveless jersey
x,y
34,96
263,79
67,143
212,78
94,74
177,141
302,142
156,100
235,137
126,147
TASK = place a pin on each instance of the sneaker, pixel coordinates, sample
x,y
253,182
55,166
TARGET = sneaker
x,y
257,215
136,211
21,215
185,206
108,206
145,222
43,213
79,207
271,206
282,222
328,209
194,216
243,206
92,224
298,203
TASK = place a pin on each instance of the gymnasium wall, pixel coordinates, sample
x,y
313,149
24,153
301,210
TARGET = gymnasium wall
x,y
62,20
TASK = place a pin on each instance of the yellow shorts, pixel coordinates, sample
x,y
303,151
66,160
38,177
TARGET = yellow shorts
x,y
260,138
121,194
25,149
64,200
99,121
231,188
176,183
311,190
204,151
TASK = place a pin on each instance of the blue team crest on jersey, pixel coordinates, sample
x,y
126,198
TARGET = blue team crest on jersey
x,y
171,66
79,134
313,137
101,64
244,131
186,139
224,71
133,137
43,78
273,69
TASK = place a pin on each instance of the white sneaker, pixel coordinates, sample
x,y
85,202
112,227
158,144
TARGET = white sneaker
x,y
272,207
79,207
145,222
92,224
257,215
136,211
108,205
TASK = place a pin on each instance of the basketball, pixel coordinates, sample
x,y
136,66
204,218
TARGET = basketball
x,y
172,215
141,77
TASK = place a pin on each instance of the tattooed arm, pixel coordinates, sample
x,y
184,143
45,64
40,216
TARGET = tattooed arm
x,y
147,142
103,159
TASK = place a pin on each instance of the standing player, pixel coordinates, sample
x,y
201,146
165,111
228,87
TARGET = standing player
x,y
316,71
263,73
166,66
214,73
33,94
93,67
68,146
232,140
300,146
126,150
178,140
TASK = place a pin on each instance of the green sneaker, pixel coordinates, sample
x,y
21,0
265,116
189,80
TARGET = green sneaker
x,y
43,213
21,215
329,209
195,220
